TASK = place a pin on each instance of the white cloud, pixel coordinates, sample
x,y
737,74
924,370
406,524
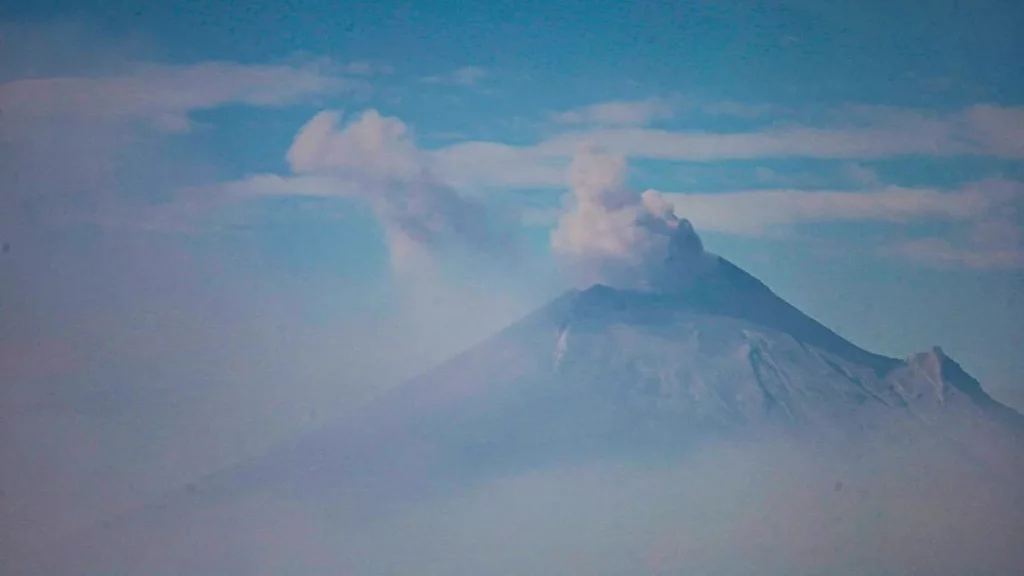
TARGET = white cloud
x,y
739,109
366,68
619,113
271,185
941,253
465,76
997,130
1000,230
986,212
753,212
860,175
164,95
83,116
784,142
852,133
643,112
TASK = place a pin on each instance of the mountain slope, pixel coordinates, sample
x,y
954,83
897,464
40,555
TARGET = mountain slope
x,y
601,370
652,378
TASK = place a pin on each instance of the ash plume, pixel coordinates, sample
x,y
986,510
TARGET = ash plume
x,y
612,235
375,159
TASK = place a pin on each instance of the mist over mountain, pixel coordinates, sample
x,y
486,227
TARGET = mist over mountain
x,y
700,425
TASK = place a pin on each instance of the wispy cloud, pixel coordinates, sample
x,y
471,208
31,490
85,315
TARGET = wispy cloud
x,y
647,111
853,133
784,142
754,212
997,130
464,76
986,228
619,113
739,109
164,95
362,68
83,120
941,253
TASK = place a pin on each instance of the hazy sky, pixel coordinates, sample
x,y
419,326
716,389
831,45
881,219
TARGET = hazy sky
x,y
225,223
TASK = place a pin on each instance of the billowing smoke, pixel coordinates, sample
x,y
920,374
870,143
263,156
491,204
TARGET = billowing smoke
x,y
614,236
375,158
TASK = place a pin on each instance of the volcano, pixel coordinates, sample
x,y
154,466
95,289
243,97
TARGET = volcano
x,y
650,378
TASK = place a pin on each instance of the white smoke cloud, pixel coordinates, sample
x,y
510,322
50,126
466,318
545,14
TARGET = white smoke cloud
x,y
614,236
375,158
371,145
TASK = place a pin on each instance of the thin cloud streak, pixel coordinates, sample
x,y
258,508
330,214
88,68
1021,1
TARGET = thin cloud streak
x,y
164,95
619,113
985,211
464,76
941,254
790,142
855,133
754,212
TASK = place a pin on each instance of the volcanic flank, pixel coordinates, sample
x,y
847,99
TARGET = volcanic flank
x,y
603,368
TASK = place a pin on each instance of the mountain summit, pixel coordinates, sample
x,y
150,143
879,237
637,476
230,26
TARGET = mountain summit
x,y
725,348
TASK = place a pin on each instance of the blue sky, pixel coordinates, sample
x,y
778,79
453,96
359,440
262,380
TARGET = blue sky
x,y
203,200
